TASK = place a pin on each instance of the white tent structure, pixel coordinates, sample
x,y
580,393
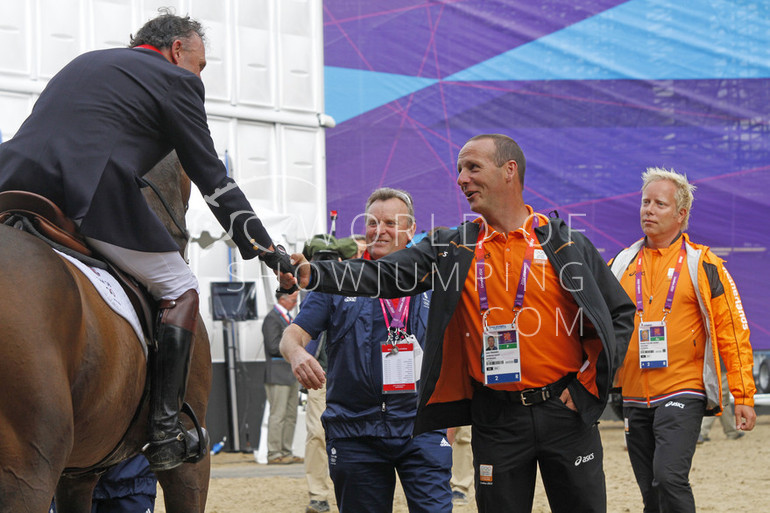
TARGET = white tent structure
x,y
264,98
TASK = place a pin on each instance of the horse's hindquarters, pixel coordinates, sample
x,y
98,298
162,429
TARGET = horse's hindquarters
x,y
39,325
61,357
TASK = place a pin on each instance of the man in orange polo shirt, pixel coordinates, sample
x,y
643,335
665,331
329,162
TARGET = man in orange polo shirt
x,y
689,314
561,320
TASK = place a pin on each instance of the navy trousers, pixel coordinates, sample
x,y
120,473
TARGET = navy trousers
x,y
364,472
129,487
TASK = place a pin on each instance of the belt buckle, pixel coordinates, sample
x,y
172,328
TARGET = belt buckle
x,y
531,394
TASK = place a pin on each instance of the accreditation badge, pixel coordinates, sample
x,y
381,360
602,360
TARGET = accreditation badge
x,y
653,345
399,373
539,257
500,356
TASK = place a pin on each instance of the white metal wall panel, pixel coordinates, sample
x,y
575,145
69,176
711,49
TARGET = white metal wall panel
x,y
256,167
15,108
296,53
149,8
297,17
215,20
255,50
296,74
14,37
300,187
60,34
256,170
220,133
112,22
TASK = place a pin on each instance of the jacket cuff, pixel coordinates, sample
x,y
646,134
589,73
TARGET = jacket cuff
x,y
314,279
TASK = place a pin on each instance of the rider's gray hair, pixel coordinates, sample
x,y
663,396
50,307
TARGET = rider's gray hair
x,y
162,31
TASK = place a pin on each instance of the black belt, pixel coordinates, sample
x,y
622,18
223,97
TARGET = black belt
x,y
529,396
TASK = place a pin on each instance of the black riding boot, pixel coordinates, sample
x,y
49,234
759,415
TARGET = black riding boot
x,y
170,443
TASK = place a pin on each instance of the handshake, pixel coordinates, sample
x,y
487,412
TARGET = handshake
x,y
285,268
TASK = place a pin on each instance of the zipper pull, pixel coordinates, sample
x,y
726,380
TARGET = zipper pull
x,y
650,298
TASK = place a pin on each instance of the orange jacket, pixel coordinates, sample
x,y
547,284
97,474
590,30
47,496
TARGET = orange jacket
x,y
725,326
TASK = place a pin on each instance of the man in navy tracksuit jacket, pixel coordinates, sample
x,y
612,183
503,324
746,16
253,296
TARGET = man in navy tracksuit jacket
x,y
368,432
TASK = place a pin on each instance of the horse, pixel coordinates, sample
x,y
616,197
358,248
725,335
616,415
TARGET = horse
x,y
73,376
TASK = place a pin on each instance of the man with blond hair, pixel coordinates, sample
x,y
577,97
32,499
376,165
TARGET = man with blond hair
x,y
689,314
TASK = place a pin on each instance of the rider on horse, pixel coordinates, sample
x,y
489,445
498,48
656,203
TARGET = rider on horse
x,y
100,124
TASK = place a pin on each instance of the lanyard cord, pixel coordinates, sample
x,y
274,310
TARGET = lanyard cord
x,y
523,275
671,287
399,313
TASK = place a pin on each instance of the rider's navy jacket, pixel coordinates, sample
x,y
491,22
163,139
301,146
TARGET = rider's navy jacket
x,y
355,404
104,121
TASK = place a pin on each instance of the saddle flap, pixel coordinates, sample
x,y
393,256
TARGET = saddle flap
x,y
140,299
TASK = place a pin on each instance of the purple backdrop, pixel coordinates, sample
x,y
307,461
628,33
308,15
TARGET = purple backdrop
x,y
612,87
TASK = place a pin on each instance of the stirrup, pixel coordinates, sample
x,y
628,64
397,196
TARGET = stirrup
x,y
171,452
203,439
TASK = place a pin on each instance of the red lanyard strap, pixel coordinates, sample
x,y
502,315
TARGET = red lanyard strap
x,y
671,287
523,274
286,316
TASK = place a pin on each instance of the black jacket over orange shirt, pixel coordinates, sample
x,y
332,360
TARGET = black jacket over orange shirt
x,y
442,263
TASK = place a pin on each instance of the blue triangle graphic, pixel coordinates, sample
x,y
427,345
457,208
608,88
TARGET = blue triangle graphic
x,y
351,92
645,40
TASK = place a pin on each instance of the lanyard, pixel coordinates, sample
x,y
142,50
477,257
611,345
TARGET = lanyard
x,y
398,313
523,275
286,317
671,287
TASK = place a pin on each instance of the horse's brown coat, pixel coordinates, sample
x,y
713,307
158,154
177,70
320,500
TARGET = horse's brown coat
x,y
72,375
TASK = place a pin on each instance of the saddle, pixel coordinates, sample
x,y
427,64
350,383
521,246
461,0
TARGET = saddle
x,y
41,217
45,216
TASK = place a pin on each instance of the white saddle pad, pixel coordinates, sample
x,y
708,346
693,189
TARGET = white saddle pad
x,y
112,293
